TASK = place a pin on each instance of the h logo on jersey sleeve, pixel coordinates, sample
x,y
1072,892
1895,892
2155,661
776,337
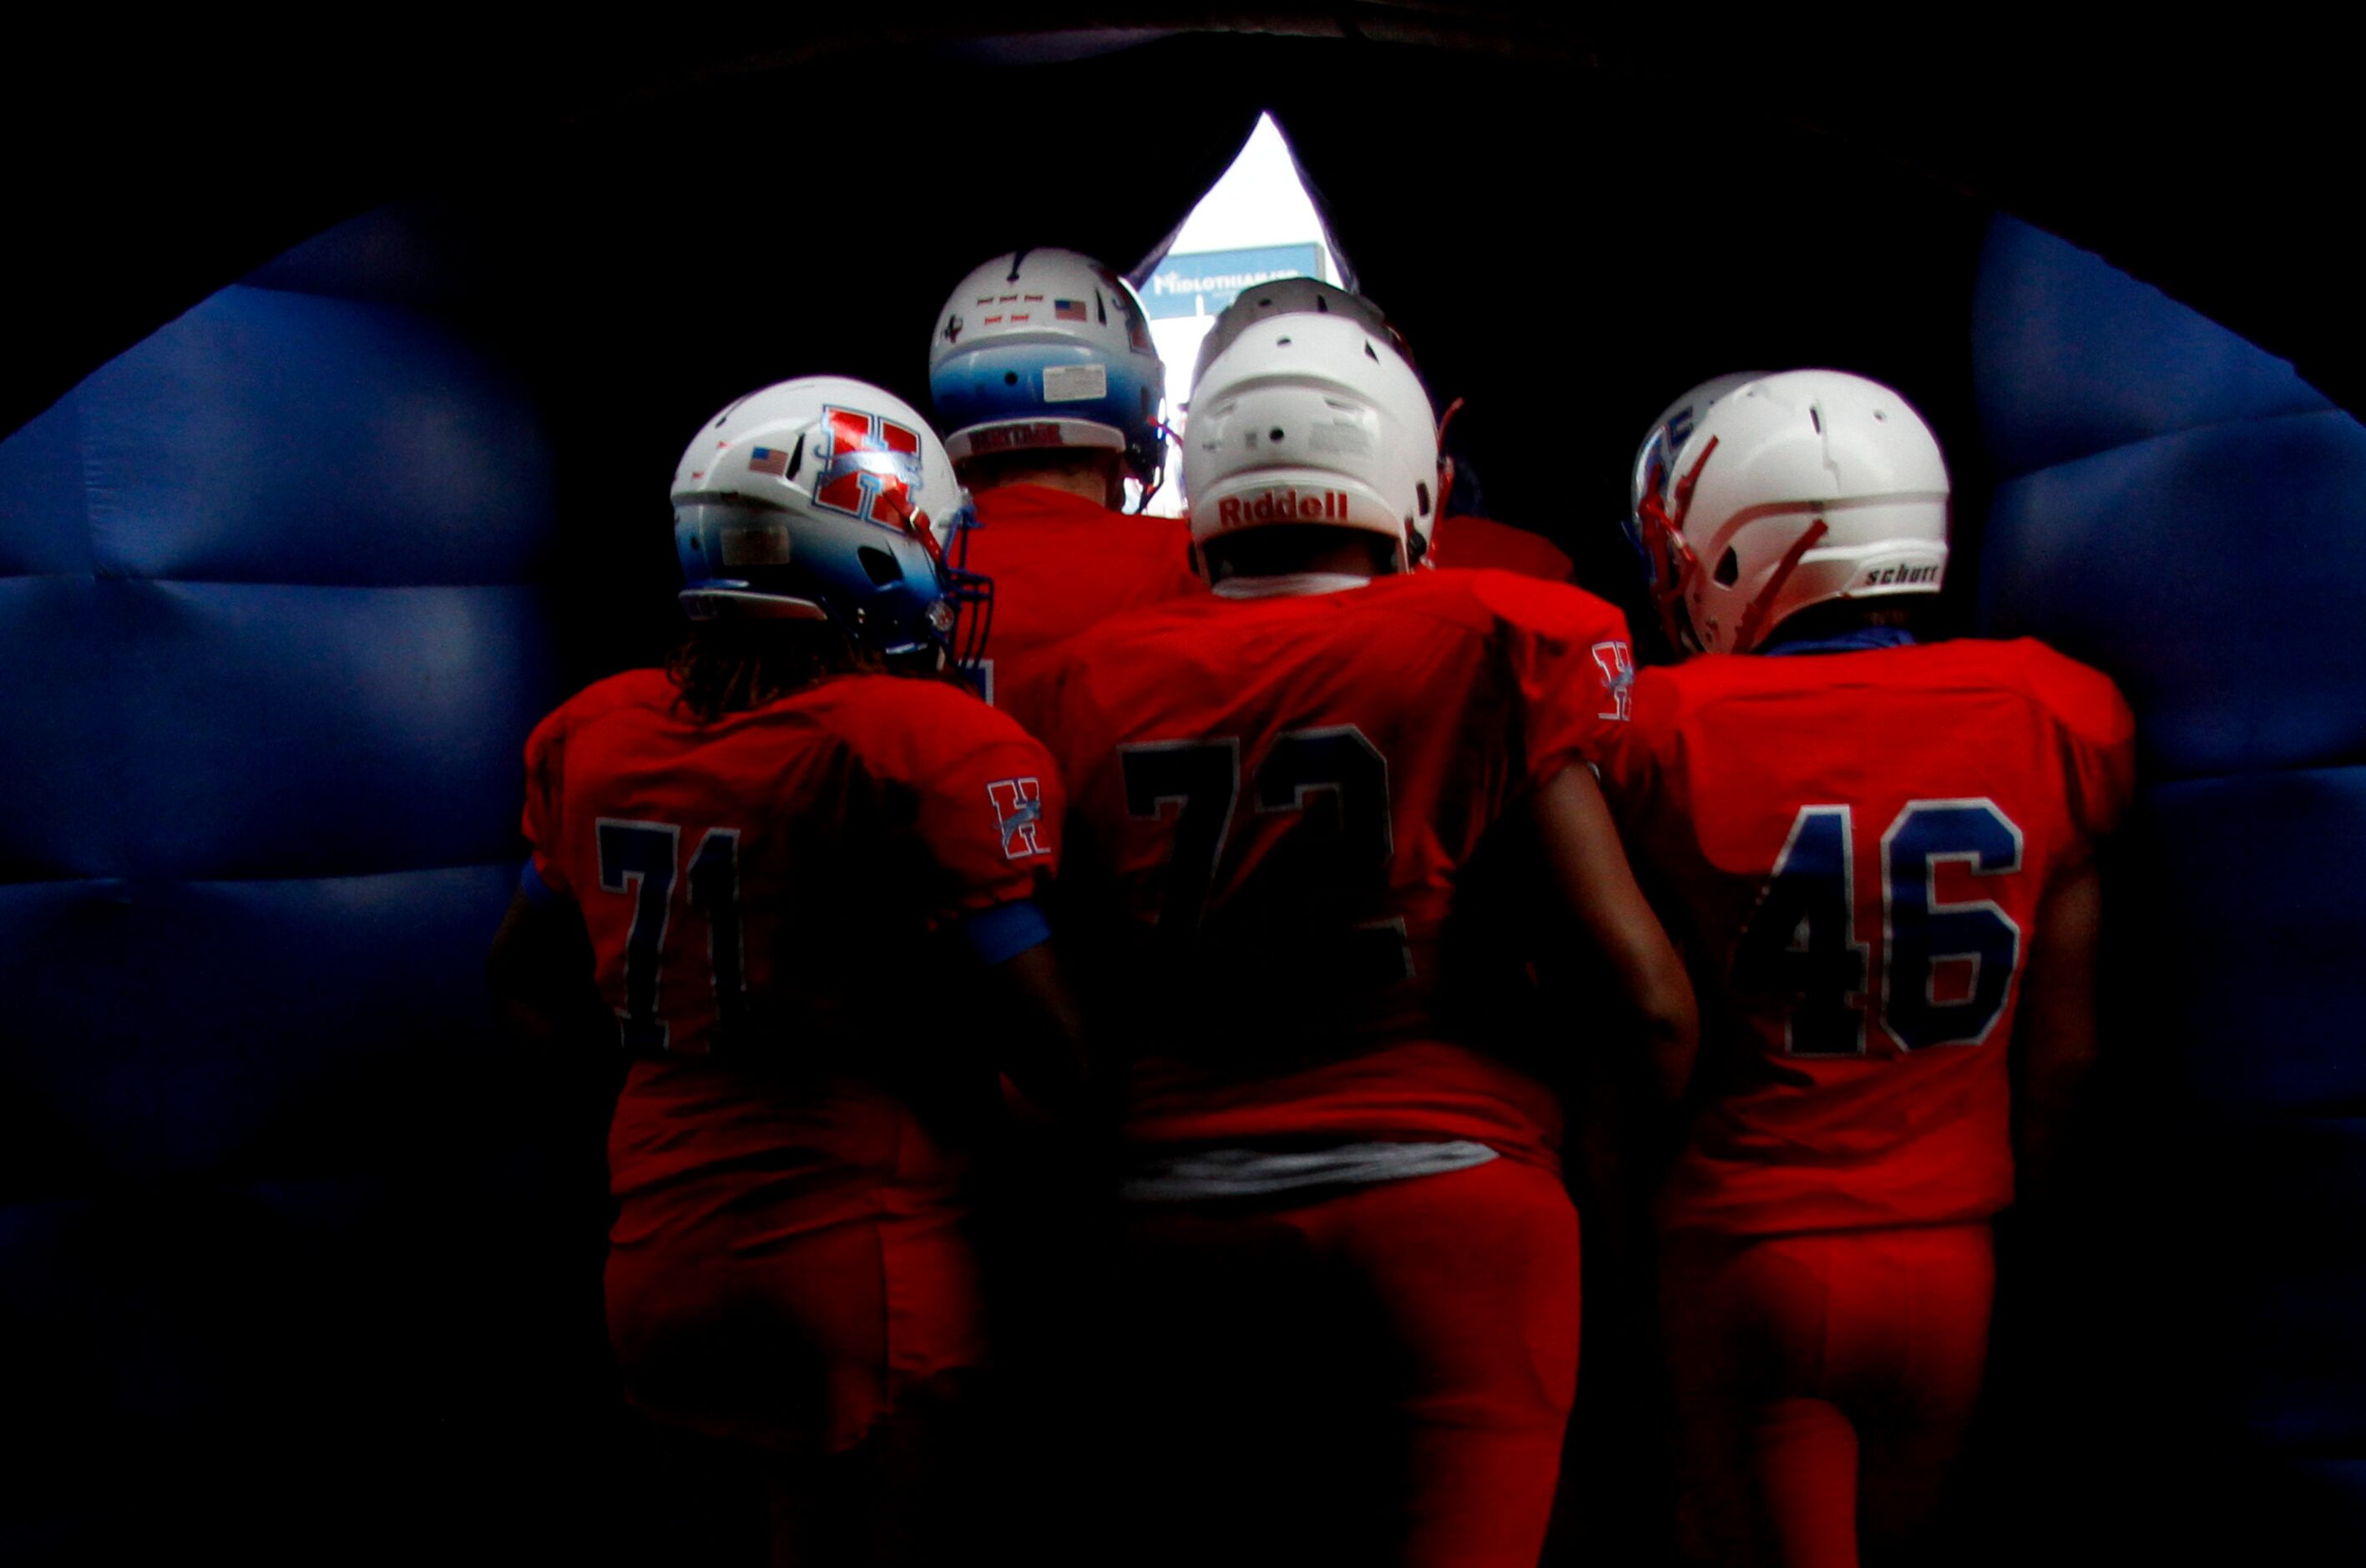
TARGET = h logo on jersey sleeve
x,y
1019,807
1616,662
866,459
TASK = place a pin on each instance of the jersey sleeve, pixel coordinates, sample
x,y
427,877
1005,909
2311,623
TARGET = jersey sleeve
x,y
1568,657
2097,740
1632,778
980,799
545,757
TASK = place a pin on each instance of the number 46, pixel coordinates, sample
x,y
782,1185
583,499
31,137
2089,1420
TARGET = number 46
x,y
1801,940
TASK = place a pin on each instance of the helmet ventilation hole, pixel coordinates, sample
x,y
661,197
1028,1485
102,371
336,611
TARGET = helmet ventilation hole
x,y
1370,355
878,565
1421,494
1728,569
1881,414
1274,435
1816,418
1281,342
1010,377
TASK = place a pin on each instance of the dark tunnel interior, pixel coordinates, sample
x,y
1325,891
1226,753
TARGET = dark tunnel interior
x,y
1570,222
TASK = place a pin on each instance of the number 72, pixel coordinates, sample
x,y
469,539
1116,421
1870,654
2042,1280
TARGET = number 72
x,y
1201,780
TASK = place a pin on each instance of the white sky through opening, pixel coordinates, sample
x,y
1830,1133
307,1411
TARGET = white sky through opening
x,y
1257,202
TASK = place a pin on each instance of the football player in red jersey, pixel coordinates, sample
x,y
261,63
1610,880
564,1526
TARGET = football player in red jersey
x,y
1883,853
1300,808
1457,538
1051,398
754,857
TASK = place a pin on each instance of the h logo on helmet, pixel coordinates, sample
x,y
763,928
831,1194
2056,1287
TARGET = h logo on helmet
x,y
867,459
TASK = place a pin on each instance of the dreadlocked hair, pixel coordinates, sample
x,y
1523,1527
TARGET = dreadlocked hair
x,y
730,666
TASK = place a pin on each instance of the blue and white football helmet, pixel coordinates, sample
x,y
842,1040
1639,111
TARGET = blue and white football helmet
x,y
827,499
1048,348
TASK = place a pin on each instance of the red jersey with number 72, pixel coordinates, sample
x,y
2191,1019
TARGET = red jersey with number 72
x,y
757,890
1861,842
1277,805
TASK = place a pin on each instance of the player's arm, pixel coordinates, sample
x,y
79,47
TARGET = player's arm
x,y
993,823
539,970
1042,1045
2055,1036
1588,868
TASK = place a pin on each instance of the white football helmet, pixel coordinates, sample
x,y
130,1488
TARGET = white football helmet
x,y
1290,295
1785,490
1048,348
1313,419
827,499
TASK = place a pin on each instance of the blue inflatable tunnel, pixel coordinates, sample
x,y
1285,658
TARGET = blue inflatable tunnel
x,y
299,1261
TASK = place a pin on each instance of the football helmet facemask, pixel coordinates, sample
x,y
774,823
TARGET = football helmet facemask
x,y
1048,348
827,499
1756,496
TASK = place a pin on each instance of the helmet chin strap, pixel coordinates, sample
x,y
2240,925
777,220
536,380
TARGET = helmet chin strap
x,y
1420,546
1142,508
1745,636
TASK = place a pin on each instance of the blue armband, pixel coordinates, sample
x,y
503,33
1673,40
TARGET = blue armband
x,y
1001,933
537,892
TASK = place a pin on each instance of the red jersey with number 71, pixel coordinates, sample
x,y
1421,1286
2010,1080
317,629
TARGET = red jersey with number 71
x,y
1279,810
757,890
1861,842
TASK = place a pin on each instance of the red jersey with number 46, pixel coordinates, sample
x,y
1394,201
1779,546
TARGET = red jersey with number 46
x,y
1862,841
1059,564
1276,802
758,890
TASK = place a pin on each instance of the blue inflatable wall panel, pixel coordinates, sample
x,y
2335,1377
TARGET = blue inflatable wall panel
x,y
2257,919
2176,507
2075,357
272,635
2215,573
44,527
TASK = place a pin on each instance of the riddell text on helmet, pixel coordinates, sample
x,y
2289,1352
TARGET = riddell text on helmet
x,y
1284,506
